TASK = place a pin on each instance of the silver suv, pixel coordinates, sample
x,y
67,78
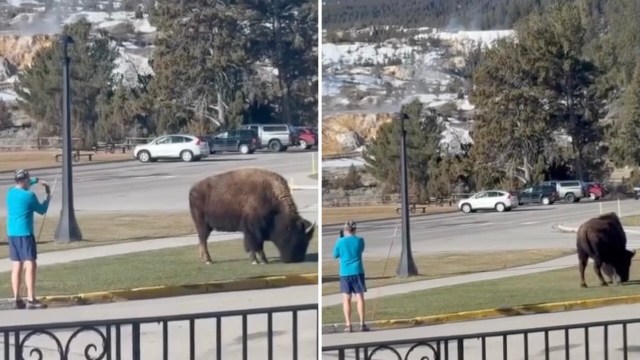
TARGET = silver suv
x,y
277,137
570,190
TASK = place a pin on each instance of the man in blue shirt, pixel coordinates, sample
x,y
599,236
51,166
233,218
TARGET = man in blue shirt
x,y
348,249
21,204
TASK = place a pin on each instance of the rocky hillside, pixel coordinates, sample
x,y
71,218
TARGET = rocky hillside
x,y
365,82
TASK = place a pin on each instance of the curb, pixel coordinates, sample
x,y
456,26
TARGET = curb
x,y
498,312
156,292
74,165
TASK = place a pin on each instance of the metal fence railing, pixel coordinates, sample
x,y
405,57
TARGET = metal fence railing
x,y
267,333
608,340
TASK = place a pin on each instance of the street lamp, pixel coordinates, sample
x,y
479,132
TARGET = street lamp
x,y
68,229
406,267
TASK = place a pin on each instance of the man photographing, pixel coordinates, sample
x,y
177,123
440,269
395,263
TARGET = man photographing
x,y
348,249
21,204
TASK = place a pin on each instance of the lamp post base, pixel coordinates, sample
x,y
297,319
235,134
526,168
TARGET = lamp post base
x,y
68,230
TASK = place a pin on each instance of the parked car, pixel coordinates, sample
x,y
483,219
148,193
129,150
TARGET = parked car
x,y
276,137
569,190
305,138
178,146
244,141
596,191
498,200
538,194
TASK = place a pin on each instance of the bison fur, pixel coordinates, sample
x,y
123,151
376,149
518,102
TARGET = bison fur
x,y
603,239
256,202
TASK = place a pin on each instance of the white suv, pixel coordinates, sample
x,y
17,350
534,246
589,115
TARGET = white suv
x,y
185,147
498,200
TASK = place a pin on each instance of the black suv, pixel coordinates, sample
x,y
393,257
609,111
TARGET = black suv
x,y
244,141
538,194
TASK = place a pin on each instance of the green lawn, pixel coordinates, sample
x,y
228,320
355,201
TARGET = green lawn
x,y
440,265
551,286
177,266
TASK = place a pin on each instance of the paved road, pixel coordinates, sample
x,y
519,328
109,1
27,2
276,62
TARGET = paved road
x,y
151,338
527,227
515,344
132,186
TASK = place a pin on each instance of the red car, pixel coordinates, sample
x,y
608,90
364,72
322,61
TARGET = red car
x,y
596,191
305,138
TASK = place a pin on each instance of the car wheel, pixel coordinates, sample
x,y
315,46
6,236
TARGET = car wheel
x,y
144,156
275,145
570,197
186,156
244,149
466,208
546,201
500,207
593,196
303,145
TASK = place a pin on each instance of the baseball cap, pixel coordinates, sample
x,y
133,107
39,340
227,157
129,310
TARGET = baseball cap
x,y
350,224
20,175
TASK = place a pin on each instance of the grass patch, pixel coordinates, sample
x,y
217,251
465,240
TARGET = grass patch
x,y
176,266
12,160
631,220
440,265
110,228
550,286
337,215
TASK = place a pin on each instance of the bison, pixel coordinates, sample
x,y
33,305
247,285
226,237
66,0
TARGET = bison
x,y
603,239
256,202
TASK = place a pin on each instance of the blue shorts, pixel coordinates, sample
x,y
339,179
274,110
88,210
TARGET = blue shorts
x,y
353,284
22,248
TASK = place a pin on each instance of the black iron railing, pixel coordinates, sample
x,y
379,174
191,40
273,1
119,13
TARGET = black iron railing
x,y
610,340
286,332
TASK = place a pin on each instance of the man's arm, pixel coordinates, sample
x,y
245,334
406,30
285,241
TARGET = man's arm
x,y
336,249
40,208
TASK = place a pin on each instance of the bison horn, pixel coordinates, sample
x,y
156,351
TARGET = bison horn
x,y
308,230
634,251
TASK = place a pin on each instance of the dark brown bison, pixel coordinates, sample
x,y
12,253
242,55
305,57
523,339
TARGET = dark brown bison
x,y
603,239
253,201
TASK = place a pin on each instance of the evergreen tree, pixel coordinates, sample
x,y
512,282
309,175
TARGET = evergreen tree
x,y
39,87
382,155
625,149
6,118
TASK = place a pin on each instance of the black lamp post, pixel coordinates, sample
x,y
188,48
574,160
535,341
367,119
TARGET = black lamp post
x,y
68,229
406,267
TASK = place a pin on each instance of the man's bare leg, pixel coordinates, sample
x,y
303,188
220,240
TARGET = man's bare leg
x,y
346,309
16,273
360,301
30,278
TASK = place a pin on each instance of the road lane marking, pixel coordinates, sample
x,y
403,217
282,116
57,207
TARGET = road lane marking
x,y
530,223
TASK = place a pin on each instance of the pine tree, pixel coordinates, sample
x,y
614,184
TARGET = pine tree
x,y
382,155
625,149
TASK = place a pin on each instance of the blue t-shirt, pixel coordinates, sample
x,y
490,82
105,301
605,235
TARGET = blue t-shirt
x,y
21,204
349,250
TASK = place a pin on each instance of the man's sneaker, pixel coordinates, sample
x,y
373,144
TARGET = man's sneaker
x,y
364,327
35,304
19,304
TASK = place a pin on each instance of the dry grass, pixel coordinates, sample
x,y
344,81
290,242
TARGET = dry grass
x,y
10,160
440,265
631,220
109,228
336,215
